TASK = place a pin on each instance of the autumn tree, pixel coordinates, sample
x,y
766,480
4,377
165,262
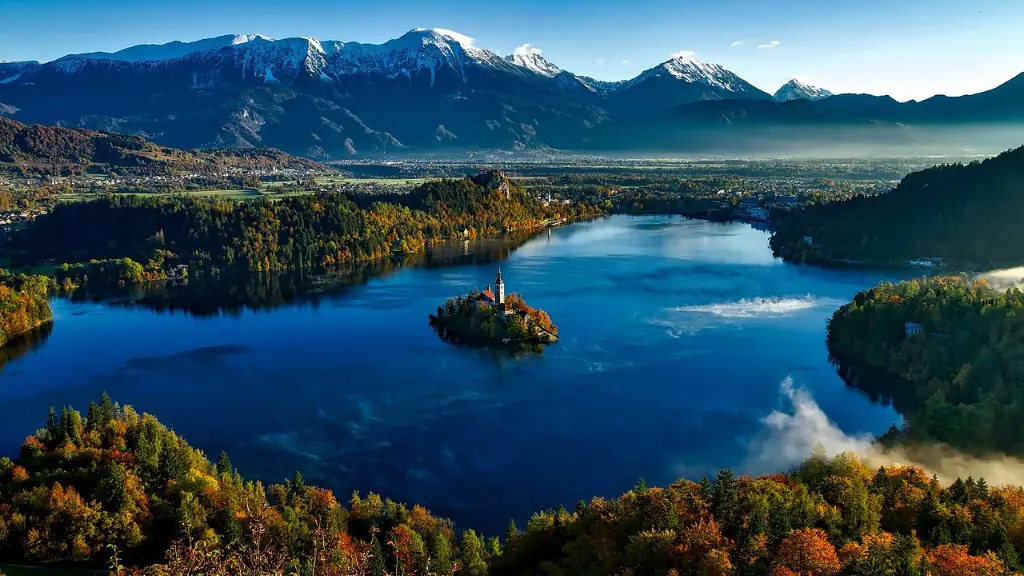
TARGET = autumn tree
x,y
808,552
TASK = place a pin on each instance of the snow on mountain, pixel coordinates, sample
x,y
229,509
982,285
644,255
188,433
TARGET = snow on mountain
x,y
686,67
419,50
529,57
172,50
280,60
797,90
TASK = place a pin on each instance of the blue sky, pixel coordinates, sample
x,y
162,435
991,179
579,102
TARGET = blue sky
x,y
906,48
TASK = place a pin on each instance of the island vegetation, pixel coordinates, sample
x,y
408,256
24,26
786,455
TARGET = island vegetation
x,y
964,214
949,351
24,305
115,488
489,318
308,232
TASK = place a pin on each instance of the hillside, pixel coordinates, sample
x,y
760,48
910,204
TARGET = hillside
x,y
294,233
113,487
54,150
963,214
958,381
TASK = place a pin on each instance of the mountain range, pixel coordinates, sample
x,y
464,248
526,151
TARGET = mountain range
x,y
435,90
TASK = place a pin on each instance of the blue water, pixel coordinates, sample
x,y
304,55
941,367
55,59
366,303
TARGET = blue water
x,y
676,338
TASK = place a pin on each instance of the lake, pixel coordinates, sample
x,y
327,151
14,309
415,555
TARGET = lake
x,y
686,347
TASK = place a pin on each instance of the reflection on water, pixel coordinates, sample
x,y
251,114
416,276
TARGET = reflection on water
x,y
675,335
233,293
24,345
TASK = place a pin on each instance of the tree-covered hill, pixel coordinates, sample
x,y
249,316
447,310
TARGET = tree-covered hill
x,y
116,488
56,150
304,232
960,380
961,213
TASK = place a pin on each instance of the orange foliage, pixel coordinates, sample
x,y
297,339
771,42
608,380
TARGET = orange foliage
x,y
19,474
954,560
808,552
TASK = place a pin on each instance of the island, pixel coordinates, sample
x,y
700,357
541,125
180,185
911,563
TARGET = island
x,y
489,318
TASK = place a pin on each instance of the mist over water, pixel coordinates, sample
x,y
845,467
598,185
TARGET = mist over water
x,y
791,433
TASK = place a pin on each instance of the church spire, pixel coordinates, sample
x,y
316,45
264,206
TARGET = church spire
x,y
499,287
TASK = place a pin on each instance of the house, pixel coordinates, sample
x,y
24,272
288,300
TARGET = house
x,y
914,329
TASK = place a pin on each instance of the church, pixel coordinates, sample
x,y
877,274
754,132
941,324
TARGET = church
x,y
495,297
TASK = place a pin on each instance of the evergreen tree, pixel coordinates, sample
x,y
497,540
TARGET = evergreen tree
x,y
471,554
511,536
224,464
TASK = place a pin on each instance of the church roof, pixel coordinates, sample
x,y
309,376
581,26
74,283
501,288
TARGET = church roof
x,y
487,296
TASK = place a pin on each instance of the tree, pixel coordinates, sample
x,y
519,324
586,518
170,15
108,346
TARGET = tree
x,y
511,536
377,565
808,551
954,560
224,464
471,554
440,553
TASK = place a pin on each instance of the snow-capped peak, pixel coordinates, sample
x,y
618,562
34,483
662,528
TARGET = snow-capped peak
x,y
529,57
450,35
797,90
687,67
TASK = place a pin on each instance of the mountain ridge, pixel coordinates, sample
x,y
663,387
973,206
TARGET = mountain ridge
x,y
427,90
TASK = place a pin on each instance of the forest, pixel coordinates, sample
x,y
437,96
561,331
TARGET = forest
x,y
24,304
116,489
957,374
304,232
52,150
963,214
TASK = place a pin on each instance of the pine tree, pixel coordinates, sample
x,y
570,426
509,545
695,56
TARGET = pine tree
x,y
224,464
52,426
511,536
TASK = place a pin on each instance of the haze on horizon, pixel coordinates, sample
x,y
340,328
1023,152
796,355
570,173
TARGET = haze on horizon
x,y
909,49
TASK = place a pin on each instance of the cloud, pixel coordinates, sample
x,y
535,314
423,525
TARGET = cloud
x,y
600,61
736,43
770,45
684,54
790,434
527,50
625,61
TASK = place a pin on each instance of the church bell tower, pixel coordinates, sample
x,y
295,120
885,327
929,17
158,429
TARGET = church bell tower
x,y
499,288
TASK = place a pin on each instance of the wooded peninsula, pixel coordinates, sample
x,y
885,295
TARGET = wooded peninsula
x,y
953,350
